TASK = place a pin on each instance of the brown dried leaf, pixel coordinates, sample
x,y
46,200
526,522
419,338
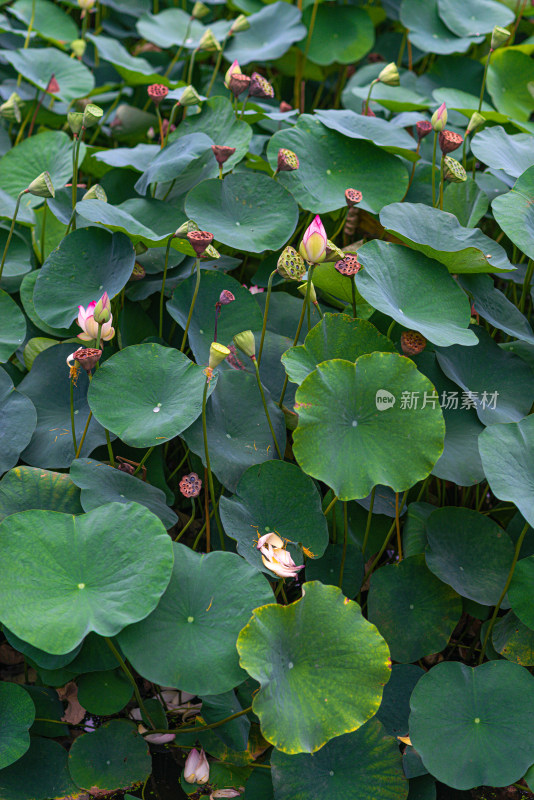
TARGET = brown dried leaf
x,y
74,713
10,656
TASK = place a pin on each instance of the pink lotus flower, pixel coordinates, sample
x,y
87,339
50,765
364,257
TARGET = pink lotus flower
x,y
87,323
233,69
313,245
276,558
197,768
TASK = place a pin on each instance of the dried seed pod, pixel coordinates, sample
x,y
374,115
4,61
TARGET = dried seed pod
x,y
222,153
449,141
226,297
199,241
260,86
412,343
287,160
353,197
87,357
190,485
423,128
349,265
157,92
238,83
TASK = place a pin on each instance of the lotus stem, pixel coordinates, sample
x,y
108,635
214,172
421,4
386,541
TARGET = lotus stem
x,y
217,65
192,306
299,327
345,538
526,285
146,455
43,228
330,505
434,168
84,434
162,295
132,680
369,518
208,467
397,525
189,521
72,425
353,290
11,229
260,387
265,313
441,181
371,87
384,545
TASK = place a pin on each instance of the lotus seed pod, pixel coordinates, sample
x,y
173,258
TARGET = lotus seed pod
x,y
423,128
199,240
226,297
453,170
449,141
10,110
157,92
475,122
200,10
353,197
91,115
439,118
287,160
240,24
218,352
333,252
96,192
349,265
499,36
291,265
211,252
75,120
87,357
238,83
208,43
42,186
190,485
260,86
78,47
189,97
412,343
138,272
222,153
245,342
390,75
185,228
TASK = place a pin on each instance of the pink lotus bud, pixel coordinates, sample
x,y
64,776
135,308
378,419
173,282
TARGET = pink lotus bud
x,y
234,69
285,107
439,118
197,768
313,245
53,85
102,310
220,793
369,112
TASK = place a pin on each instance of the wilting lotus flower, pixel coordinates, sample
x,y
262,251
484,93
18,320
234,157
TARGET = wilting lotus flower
x,y
276,558
89,326
314,241
156,738
197,768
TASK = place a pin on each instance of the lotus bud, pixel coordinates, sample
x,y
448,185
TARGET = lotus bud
x,y
90,327
238,83
313,245
208,43
222,153
453,170
226,297
475,122
285,107
287,160
389,75
333,252
200,10
102,310
218,352
75,120
439,118
96,192
303,288
423,128
291,265
185,228
197,768
499,36
353,197
260,86
86,5
42,186
240,24
449,141
157,92
189,97
412,343
53,85
91,115
87,357
199,240
349,265
246,343
78,47
190,485
10,110
233,69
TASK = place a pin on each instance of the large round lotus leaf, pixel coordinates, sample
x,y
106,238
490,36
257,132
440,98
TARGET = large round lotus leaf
x,y
394,710
513,640
47,706
189,641
355,429
470,552
18,419
500,150
321,665
240,315
341,35
330,161
137,71
17,713
238,431
115,564
12,326
514,212
510,76
174,159
520,592
427,30
382,132
460,461
42,659
171,28
111,757
102,484
414,611
217,119
501,389
247,210
439,235
27,289
138,157
87,263
48,387
160,390
104,693
272,31
406,98
466,103
23,488
335,336
18,261
275,496
473,727
37,65
391,280
474,17
49,21
357,766
327,569
493,304
235,733
40,774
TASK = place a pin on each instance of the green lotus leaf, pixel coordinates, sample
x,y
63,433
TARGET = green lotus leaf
x,y
330,162
47,706
110,757
17,715
272,31
18,261
520,592
40,774
235,733
46,660
439,235
381,132
358,410
73,78
509,75
474,17
394,709
170,28
483,736
174,159
310,694
27,289
466,103
494,306
501,150
18,419
138,158
513,640
335,336
102,484
247,211
12,326
428,31
160,390
391,281
514,213
189,640
135,70
414,611
24,488
340,35
104,693
414,533
327,568
49,20
99,571
466,201
470,552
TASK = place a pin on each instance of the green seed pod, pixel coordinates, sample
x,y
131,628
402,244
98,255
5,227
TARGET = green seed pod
x,y
453,170
291,265
42,186
91,115
245,342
